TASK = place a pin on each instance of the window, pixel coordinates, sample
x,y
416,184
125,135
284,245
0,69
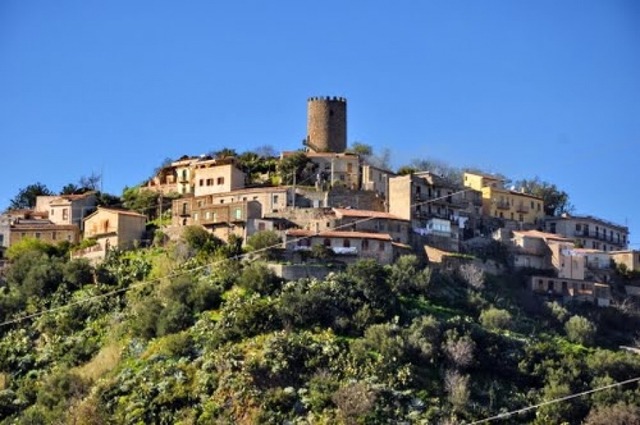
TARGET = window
x,y
209,182
65,214
261,226
346,243
532,205
237,213
327,242
365,244
38,235
199,204
52,212
184,208
215,217
201,182
578,227
195,216
207,215
275,199
552,227
220,180
380,246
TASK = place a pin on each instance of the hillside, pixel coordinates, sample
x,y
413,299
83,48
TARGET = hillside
x,y
185,334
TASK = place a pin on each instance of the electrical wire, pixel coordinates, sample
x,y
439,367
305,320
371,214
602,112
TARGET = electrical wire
x,y
555,400
196,268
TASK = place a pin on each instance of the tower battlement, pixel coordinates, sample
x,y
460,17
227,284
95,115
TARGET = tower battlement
x,y
327,124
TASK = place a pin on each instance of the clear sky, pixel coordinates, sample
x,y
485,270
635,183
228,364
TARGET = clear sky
x,y
540,88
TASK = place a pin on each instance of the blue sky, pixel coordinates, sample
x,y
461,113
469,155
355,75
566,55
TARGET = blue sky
x,y
539,88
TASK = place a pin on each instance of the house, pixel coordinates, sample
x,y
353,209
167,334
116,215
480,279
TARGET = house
x,y
376,179
372,221
506,204
532,248
271,200
435,208
572,279
223,220
346,245
42,229
334,168
629,258
112,228
212,176
67,209
568,290
590,232
177,177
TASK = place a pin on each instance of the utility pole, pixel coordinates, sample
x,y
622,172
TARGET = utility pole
x,y
294,189
160,205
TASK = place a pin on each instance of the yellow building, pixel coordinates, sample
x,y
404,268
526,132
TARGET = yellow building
x,y
504,203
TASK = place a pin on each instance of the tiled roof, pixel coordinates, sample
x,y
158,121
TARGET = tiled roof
x,y
339,234
46,225
116,211
541,235
365,214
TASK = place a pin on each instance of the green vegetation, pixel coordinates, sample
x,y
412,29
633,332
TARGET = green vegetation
x,y
184,332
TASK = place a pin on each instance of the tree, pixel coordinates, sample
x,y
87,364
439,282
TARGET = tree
x,y
451,174
91,182
556,201
297,163
361,149
265,240
495,318
225,153
580,330
618,414
26,197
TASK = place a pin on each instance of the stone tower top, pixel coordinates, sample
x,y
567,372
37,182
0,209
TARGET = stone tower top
x,y
327,124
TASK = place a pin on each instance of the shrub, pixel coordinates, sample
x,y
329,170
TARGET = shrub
x,y
355,401
580,330
495,318
459,349
257,277
456,386
618,414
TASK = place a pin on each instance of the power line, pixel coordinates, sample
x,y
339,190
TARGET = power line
x,y
193,269
554,401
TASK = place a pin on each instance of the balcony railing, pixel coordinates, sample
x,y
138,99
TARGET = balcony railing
x,y
522,209
502,205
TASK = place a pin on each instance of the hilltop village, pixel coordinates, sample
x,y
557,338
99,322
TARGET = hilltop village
x,y
315,286
329,195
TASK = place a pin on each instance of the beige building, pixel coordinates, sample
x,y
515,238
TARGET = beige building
x,y
376,179
217,176
43,230
348,246
504,203
630,259
67,209
373,221
590,232
112,228
271,200
177,177
223,220
436,209
571,290
336,168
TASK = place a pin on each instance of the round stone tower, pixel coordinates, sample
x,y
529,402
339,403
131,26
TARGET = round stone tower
x,y
327,124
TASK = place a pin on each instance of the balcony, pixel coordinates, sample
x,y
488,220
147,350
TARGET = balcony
x,y
523,209
502,205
